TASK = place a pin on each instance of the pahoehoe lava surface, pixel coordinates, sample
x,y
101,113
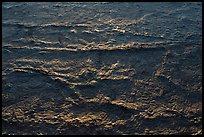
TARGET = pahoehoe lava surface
x,y
101,68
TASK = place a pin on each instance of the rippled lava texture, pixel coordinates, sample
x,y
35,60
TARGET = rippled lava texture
x,y
102,68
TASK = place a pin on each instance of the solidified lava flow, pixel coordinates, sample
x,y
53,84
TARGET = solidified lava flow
x,y
101,68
